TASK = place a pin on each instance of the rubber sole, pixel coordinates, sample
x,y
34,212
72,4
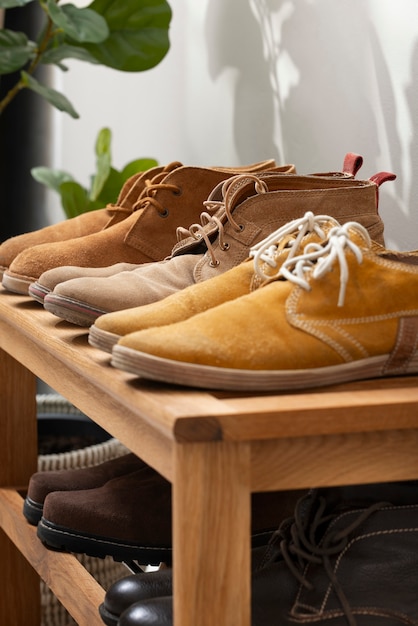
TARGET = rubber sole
x,y
103,339
17,284
73,311
32,511
222,378
38,292
64,539
108,618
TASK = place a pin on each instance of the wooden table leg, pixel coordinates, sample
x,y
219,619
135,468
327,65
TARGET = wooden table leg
x,y
211,532
19,583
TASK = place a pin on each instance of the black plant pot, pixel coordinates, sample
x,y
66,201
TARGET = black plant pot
x,y
24,139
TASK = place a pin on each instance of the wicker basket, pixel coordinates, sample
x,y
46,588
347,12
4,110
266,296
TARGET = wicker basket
x,y
52,410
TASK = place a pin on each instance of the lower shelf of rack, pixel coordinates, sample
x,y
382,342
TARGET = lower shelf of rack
x,y
72,584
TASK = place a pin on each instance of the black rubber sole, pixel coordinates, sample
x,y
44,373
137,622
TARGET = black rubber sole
x,y
64,539
32,511
110,619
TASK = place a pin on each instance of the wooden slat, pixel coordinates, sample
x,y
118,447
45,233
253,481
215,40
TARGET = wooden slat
x,y
81,598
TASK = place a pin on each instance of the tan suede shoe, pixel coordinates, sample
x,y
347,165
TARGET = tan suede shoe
x,y
251,207
337,313
84,224
147,234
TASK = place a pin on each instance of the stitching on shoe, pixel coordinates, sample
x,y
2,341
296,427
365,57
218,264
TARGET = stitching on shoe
x,y
405,347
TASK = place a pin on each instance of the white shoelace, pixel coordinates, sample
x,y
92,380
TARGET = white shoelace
x,y
319,259
290,237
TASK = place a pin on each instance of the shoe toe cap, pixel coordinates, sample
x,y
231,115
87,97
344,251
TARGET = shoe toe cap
x,y
155,612
136,588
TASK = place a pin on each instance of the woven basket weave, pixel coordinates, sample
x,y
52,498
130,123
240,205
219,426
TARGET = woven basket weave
x,y
105,571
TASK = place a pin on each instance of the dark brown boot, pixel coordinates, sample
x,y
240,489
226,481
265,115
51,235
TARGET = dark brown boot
x,y
129,518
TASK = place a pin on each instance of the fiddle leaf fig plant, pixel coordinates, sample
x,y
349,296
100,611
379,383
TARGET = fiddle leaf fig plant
x,y
126,35
105,183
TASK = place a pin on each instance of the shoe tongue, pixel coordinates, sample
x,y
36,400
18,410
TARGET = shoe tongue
x,y
190,245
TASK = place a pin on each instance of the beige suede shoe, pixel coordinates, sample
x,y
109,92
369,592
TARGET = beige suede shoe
x,y
251,208
51,278
147,234
337,313
84,224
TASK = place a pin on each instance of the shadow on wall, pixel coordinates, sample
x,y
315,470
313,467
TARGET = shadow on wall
x,y
411,97
312,83
235,42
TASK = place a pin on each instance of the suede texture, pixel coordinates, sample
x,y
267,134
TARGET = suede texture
x,y
301,329
51,278
81,225
147,234
180,305
43,483
136,508
346,557
251,208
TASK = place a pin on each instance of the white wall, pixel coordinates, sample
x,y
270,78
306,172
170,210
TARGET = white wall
x,y
304,81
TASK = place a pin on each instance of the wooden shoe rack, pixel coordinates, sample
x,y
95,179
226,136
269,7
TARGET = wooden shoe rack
x,y
215,448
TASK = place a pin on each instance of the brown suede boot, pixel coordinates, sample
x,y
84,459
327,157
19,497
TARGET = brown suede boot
x,y
43,483
84,224
129,518
251,208
146,234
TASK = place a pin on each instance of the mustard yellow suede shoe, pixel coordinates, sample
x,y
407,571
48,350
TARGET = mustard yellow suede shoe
x,y
338,312
264,262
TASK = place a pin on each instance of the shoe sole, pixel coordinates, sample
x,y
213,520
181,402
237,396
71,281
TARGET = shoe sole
x,y
38,292
102,339
209,377
110,619
32,511
16,284
63,539
73,311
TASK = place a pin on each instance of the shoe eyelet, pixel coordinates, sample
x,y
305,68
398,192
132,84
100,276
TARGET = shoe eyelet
x,y
241,227
212,264
225,247
178,191
164,213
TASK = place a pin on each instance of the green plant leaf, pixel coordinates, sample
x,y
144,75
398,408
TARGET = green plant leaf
x,y
82,25
55,98
111,188
74,198
103,141
52,178
139,165
10,4
15,50
55,55
103,162
138,38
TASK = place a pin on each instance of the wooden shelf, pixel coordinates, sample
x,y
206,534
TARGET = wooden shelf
x,y
215,448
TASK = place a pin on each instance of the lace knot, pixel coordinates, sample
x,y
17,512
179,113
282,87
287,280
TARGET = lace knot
x,y
316,259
